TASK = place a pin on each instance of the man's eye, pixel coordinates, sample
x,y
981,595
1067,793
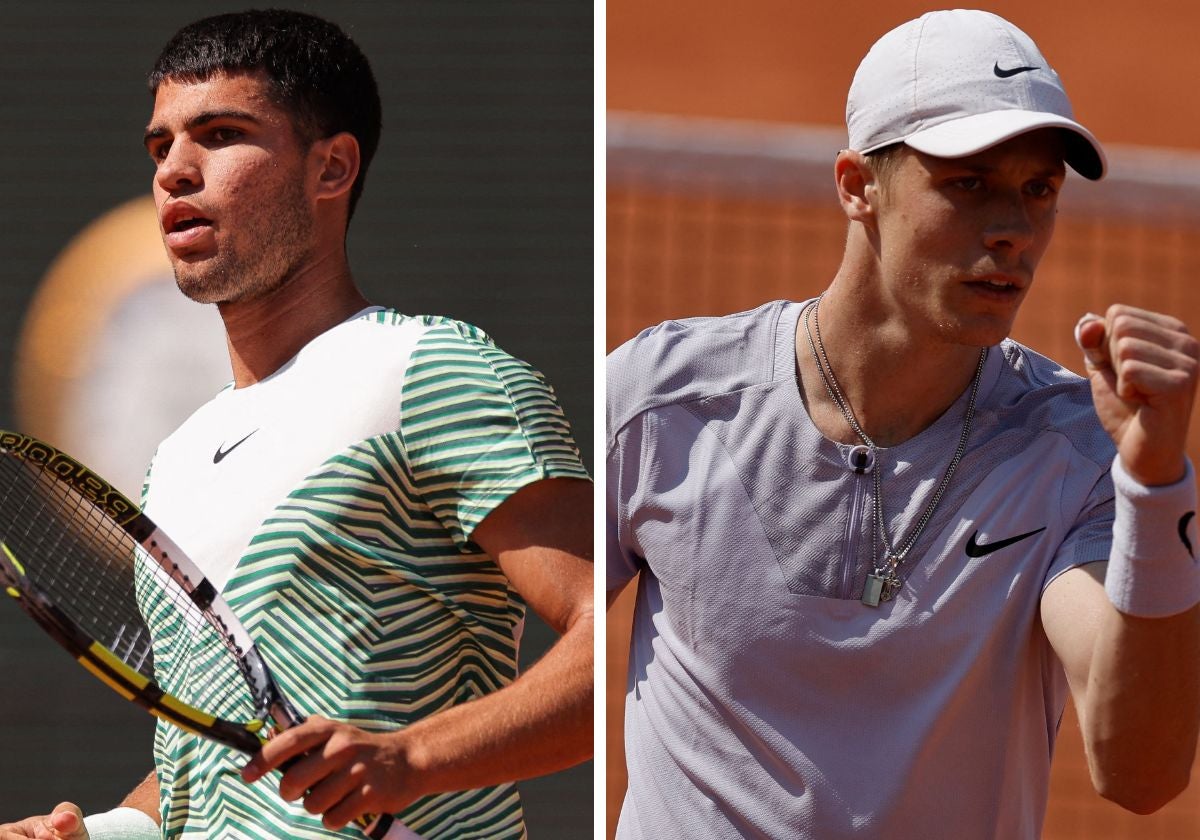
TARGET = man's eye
x,y
158,153
970,184
226,135
1041,189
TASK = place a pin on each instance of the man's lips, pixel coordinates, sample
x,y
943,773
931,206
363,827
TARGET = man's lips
x,y
181,241
1000,284
186,227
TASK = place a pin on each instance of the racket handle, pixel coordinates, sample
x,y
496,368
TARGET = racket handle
x,y
382,827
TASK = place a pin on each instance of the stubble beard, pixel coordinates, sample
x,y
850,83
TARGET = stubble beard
x,y
269,256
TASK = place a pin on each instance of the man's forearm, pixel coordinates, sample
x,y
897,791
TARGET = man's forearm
x,y
144,797
1141,714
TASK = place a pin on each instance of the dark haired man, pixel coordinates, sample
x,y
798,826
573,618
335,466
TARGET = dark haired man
x,y
376,494
879,543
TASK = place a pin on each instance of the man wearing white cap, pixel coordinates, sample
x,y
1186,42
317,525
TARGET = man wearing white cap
x,y
879,542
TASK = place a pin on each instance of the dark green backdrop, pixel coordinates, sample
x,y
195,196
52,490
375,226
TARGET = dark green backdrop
x,y
478,205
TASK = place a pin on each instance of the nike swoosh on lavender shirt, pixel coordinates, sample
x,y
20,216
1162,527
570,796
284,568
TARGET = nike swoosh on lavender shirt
x,y
974,549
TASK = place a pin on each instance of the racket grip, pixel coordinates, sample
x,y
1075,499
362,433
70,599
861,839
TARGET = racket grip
x,y
382,827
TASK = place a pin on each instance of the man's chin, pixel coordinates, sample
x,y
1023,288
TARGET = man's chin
x,y
987,335
205,288
200,288
196,292
979,332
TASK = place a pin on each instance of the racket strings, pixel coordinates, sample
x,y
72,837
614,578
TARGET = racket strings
x,y
194,656
73,553
106,582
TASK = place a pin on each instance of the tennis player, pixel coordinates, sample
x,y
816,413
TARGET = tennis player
x,y
879,542
378,495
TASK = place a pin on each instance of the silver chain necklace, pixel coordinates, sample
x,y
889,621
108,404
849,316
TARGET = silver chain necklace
x,y
884,581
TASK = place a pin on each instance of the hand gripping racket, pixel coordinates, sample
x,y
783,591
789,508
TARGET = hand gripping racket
x,y
76,555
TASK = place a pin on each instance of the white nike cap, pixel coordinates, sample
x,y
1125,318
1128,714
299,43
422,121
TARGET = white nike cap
x,y
953,83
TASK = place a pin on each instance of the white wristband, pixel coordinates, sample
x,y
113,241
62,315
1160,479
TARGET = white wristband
x,y
1153,570
122,824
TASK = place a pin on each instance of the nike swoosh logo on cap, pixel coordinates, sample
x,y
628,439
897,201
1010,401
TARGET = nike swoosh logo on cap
x,y
974,549
1004,74
221,453
1183,526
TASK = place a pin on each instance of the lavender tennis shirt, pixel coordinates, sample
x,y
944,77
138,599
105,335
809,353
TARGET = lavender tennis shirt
x,y
764,699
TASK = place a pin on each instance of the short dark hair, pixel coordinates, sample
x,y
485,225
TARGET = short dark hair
x,y
316,72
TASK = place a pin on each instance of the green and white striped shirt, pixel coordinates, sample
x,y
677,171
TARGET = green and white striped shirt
x,y
334,504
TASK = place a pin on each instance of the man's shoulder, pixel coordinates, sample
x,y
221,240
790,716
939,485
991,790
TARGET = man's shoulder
x,y
1039,392
396,324
690,358
399,348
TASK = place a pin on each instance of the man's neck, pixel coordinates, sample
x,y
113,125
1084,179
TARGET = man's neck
x,y
263,334
895,381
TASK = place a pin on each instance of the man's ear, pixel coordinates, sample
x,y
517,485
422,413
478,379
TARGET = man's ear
x,y
857,186
337,161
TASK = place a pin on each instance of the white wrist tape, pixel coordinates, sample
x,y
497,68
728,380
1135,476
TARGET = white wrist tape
x,y
1153,569
122,824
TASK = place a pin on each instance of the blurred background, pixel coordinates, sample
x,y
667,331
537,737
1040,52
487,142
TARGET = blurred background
x,y
478,205
723,123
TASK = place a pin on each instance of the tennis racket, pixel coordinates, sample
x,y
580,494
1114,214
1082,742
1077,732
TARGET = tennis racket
x,y
79,558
